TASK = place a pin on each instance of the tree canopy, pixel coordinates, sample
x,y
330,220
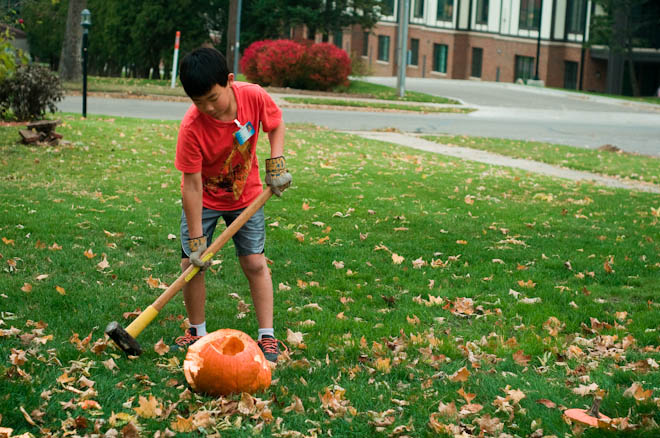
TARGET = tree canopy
x,y
137,35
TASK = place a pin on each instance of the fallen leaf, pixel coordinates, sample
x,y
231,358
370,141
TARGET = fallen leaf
x,y
521,358
161,347
103,264
460,375
397,259
60,290
547,403
27,287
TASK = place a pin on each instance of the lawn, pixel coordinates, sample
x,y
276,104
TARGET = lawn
x,y
432,295
611,162
157,87
377,105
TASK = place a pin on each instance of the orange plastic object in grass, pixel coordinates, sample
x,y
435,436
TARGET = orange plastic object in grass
x,y
226,361
591,417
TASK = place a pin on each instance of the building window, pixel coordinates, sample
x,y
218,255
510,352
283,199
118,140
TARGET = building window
x,y
477,60
482,12
418,12
414,51
384,48
337,38
445,10
575,16
440,58
570,75
530,14
388,7
524,67
365,44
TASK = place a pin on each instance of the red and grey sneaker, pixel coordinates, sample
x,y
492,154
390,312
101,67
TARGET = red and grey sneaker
x,y
185,341
270,347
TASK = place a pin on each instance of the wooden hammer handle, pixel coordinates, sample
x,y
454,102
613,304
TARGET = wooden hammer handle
x,y
150,313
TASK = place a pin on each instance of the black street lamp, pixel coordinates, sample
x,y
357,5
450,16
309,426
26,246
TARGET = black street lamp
x,y
538,43
86,23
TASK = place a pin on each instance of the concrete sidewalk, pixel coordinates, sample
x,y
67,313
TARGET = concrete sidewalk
x,y
501,160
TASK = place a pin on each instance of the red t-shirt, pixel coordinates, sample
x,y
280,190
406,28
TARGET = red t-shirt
x,y
230,173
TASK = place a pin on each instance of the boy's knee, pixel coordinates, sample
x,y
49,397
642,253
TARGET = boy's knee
x,y
254,266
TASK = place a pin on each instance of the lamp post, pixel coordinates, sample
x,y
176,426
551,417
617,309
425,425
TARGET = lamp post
x,y
86,23
538,43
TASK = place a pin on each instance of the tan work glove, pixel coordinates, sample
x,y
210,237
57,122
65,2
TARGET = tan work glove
x,y
197,247
278,177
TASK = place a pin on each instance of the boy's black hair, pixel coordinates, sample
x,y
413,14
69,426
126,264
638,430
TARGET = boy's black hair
x,y
201,69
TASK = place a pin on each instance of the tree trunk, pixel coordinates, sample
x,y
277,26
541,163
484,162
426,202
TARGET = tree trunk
x,y
631,70
70,68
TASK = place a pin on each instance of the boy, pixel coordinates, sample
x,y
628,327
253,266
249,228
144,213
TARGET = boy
x,y
221,177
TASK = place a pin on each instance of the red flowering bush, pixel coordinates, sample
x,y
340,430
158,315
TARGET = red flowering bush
x,y
286,63
272,62
324,66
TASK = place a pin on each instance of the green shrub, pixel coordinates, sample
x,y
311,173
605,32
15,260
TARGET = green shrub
x,y
29,92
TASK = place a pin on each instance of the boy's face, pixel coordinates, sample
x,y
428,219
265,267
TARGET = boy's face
x,y
218,102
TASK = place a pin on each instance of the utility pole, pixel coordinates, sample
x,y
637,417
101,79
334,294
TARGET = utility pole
x,y
231,32
237,44
402,52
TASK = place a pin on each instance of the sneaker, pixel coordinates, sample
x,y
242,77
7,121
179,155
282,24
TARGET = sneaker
x,y
185,341
270,347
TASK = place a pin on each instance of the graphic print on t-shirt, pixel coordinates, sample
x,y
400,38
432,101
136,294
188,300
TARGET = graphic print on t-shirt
x,y
234,172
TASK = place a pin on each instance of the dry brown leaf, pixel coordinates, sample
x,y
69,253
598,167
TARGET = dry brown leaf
x,y
467,396
460,375
149,407
547,403
521,358
182,424
161,347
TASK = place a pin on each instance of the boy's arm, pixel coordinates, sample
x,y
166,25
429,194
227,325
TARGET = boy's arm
x,y
276,140
278,177
192,207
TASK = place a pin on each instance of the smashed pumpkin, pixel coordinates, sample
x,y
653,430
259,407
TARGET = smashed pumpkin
x,y
224,362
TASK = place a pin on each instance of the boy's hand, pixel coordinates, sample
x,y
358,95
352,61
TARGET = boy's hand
x,y
278,177
198,246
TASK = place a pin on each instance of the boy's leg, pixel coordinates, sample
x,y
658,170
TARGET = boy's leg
x,y
194,291
261,287
194,296
250,241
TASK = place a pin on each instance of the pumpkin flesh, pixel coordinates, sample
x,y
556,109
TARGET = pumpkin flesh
x,y
224,362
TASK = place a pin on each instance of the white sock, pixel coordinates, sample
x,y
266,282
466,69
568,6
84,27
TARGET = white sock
x,y
266,331
201,328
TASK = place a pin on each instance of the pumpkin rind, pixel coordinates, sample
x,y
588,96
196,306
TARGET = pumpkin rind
x,y
582,416
224,362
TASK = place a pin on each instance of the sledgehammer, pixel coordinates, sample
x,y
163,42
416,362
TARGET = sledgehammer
x,y
125,338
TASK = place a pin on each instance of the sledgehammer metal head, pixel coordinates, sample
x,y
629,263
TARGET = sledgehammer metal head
x,y
123,339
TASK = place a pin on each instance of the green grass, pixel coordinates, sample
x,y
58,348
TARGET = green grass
x,y
153,87
607,162
370,327
376,105
131,86
377,91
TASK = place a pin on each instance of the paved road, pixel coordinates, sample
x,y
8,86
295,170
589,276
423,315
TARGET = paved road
x,y
504,110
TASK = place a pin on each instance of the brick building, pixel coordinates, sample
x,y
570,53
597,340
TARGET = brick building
x,y
494,40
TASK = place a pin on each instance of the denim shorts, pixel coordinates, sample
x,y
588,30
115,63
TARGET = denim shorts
x,y
250,238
